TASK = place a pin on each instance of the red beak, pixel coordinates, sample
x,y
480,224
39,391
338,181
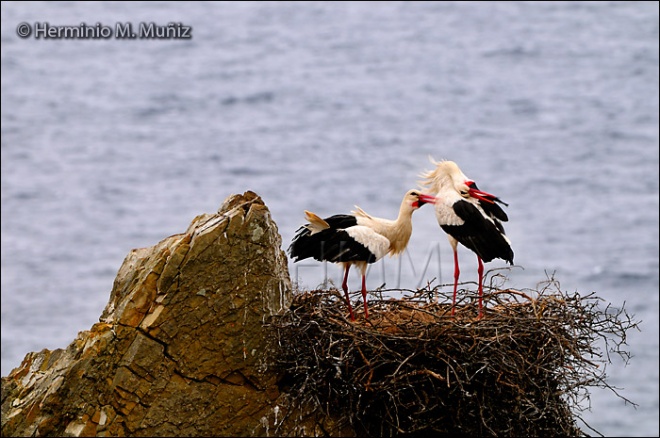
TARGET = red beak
x,y
426,199
483,196
479,194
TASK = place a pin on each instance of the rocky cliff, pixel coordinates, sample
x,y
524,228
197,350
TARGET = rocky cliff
x,y
182,347
202,336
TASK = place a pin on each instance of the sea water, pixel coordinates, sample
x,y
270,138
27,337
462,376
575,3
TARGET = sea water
x,y
110,144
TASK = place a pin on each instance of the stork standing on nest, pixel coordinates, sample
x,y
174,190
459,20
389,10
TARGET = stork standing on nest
x,y
356,239
469,216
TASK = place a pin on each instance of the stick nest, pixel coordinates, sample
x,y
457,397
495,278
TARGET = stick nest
x,y
524,369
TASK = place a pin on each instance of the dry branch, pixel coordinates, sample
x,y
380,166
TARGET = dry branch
x,y
522,370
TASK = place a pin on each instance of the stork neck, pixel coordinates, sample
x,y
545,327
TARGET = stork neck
x,y
399,230
405,214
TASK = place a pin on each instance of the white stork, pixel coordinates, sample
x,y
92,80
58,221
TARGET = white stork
x,y
356,239
468,216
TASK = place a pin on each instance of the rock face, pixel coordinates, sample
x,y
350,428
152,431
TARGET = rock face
x,y
182,347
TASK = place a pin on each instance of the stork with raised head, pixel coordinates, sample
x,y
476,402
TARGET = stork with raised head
x,y
469,216
356,239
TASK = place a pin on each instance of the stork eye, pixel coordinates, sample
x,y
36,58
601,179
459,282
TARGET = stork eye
x,y
414,194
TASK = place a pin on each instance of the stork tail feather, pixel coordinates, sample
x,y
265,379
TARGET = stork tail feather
x,y
316,224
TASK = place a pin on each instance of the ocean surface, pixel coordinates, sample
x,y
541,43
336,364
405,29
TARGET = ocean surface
x,y
111,144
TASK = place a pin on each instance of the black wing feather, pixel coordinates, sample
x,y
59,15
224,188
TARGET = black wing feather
x,y
479,234
332,244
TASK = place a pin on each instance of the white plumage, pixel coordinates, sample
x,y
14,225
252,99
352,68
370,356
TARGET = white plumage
x,y
377,244
469,216
356,239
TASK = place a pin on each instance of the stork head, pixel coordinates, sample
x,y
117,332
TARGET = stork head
x,y
447,179
415,199
446,176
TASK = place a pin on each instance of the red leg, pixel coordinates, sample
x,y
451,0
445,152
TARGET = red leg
x,y
481,287
457,272
364,297
344,286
